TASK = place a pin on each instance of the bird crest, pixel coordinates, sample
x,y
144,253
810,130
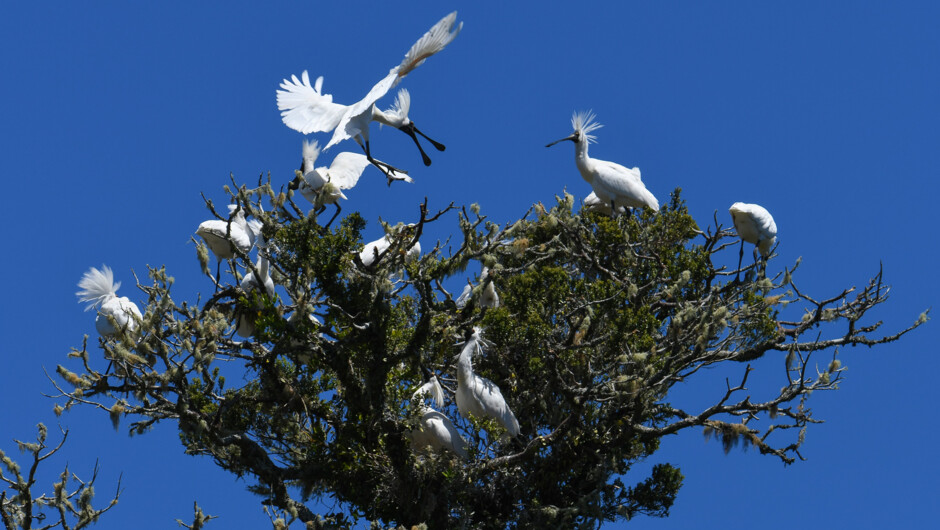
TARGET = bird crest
x,y
97,286
310,153
584,123
401,106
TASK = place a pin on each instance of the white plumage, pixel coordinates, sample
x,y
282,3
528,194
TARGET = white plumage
x,y
100,290
754,225
435,429
593,203
488,296
246,324
616,185
479,396
223,237
305,108
373,249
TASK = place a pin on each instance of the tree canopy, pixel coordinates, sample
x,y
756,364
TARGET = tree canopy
x,y
598,317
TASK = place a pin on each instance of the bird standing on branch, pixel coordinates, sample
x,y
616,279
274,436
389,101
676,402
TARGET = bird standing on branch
x,y
755,225
614,184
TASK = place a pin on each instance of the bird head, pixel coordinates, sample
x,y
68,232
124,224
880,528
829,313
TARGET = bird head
x,y
583,124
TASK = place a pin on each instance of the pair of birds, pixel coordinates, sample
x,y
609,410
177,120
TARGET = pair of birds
x,y
305,108
618,188
475,396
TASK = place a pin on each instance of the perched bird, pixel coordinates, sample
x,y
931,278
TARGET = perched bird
x,y
374,249
324,185
99,289
616,185
479,396
246,323
223,237
755,225
488,296
305,108
435,429
593,203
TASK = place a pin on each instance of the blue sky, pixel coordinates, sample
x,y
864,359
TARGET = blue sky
x,y
117,117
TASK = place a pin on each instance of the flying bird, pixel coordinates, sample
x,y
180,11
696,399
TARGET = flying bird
x,y
754,225
435,430
100,290
223,237
479,396
305,108
616,185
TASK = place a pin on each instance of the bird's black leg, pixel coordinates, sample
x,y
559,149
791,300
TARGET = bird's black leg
x,y
383,166
410,131
737,278
338,208
437,145
218,272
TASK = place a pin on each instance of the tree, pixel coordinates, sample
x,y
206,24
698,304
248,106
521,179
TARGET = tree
x,y
21,507
598,318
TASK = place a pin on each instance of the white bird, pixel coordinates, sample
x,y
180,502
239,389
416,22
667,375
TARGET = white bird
x,y
488,296
324,185
435,430
614,184
246,323
305,108
99,289
373,249
223,237
755,225
593,203
479,396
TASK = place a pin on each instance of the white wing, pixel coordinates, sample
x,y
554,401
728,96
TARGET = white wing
x,y
623,185
439,36
373,249
358,115
304,108
346,169
492,403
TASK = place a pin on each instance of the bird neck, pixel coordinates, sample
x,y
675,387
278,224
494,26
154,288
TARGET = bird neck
x,y
464,367
582,160
386,118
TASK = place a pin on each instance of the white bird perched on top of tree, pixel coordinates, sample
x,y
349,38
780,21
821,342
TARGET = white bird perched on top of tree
x,y
246,325
99,289
324,185
479,396
373,249
754,225
614,184
488,296
593,203
435,429
223,237
306,109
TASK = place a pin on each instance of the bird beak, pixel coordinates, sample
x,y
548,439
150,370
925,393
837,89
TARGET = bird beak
x,y
562,140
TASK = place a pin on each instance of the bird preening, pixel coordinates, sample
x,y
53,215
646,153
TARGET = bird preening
x,y
305,108
754,225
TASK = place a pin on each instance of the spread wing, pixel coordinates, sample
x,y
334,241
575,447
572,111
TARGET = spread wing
x,y
304,108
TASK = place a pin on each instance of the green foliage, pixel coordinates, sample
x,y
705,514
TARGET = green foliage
x,y
598,318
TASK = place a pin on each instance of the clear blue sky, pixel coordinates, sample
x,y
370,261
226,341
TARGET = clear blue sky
x,y
117,117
